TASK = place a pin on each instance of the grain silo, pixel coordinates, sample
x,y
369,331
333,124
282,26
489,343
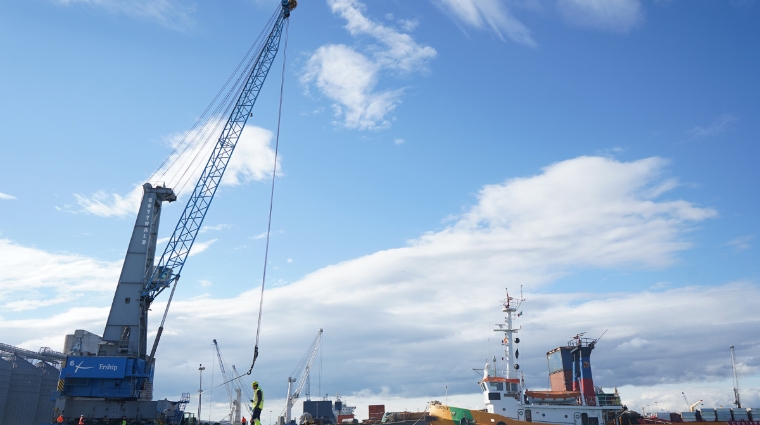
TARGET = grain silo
x,y
5,381
48,386
23,392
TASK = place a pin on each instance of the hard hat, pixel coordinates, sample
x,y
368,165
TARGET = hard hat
x,y
255,384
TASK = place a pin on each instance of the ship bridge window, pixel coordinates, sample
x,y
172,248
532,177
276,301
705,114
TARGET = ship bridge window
x,y
512,387
496,386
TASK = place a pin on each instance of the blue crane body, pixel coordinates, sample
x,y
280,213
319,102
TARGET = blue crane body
x,y
118,380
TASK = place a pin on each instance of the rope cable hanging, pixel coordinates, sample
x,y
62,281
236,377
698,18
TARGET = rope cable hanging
x,y
271,197
271,204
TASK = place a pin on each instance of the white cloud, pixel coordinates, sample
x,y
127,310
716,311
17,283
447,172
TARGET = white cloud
x,y
411,321
215,228
401,52
174,14
607,203
741,243
350,78
610,15
252,161
720,125
105,204
398,141
6,196
199,246
493,14
33,278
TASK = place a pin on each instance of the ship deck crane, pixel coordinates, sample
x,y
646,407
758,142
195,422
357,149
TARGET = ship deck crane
x,y
692,406
304,366
118,381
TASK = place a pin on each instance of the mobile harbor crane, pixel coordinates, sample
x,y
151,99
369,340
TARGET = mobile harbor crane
x,y
118,380
304,366
234,400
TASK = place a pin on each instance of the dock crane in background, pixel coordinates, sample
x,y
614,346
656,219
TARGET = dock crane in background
x,y
245,389
692,406
118,380
304,366
737,401
234,401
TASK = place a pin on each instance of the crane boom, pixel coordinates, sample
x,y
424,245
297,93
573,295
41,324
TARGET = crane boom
x,y
226,380
122,369
306,362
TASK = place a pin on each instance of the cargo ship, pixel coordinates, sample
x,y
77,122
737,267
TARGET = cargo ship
x,y
572,400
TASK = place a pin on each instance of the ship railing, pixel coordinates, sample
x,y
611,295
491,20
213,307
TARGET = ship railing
x,y
608,400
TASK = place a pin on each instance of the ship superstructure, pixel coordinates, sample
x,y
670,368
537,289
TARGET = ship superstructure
x,y
573,399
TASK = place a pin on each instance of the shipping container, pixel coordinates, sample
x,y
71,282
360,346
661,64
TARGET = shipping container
x,y
376,411
689,416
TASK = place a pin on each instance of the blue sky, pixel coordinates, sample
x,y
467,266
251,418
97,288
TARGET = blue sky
x,y
601,154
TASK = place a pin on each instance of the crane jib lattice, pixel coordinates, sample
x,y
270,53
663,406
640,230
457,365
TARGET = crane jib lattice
x,y
173,259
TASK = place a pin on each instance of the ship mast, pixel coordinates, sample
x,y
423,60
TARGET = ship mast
x,y
510,306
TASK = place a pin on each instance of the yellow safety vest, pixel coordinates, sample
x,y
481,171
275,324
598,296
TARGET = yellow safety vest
x,y
258,399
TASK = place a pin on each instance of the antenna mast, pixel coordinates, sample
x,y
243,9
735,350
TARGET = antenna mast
x,y
737,401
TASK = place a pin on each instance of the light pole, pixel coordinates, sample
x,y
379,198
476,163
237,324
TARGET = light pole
x,y
200,389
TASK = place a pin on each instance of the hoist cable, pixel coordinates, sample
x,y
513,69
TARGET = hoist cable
x,y
271,195
271,204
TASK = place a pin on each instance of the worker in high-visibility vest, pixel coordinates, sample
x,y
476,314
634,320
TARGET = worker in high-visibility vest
x,y
81,420
243,420
258,403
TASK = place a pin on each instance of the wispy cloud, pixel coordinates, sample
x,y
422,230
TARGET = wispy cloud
x,y
253,161
489,14
33,278
719,126
741,243
608,15
173,14
215,228
349,78
6,196
199,246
